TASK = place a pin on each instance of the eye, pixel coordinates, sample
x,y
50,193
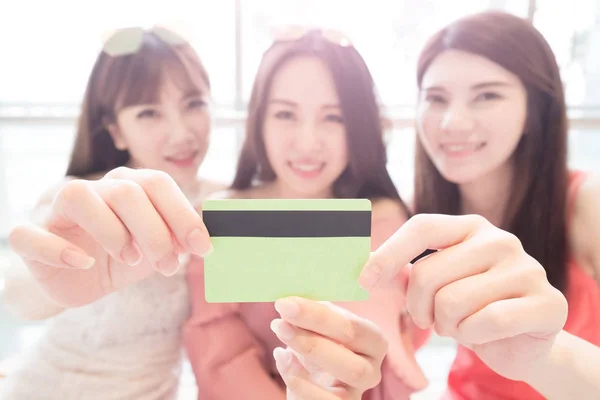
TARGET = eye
x,y
435,99
334,118
487,96
284,115
147,113
197,103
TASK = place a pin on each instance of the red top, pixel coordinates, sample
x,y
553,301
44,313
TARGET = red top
x,y
471,379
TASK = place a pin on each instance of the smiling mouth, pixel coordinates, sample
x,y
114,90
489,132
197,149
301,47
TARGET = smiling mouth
x,y
461,149
183,160
307,170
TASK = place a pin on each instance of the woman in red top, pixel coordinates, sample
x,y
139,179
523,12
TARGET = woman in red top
x,y
492,141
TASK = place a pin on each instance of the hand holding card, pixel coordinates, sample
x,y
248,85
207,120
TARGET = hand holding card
x,y
268,249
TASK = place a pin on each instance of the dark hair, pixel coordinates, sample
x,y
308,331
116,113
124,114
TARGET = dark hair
x,y
536,211
366,175
123,81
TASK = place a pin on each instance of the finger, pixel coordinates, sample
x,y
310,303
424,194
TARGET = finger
x,y
343,364
419,233
175,209
538,316
33,243
310,366
79,203
317,375
459,300
297,379
131,204
329,320
471,257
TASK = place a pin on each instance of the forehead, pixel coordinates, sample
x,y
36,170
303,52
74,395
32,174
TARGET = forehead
x,y
460,69
174,84
162,78
305,80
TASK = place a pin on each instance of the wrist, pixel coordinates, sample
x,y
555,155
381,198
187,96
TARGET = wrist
x,y
549,367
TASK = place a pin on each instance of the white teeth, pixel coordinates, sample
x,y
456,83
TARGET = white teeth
x,y
457,147
460,147
307,167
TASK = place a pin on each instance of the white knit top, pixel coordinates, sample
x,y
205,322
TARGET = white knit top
x,y
125,346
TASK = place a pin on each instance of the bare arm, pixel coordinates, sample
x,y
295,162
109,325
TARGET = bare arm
x,y
571,372
21,295
573,369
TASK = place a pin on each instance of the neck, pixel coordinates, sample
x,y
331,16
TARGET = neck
x,y
279,190
192,189
488,195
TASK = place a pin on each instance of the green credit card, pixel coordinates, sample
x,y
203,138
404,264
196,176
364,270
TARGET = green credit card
x,y
268,249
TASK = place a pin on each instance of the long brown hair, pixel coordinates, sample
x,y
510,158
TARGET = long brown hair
x,y
123,81
536,212
366,175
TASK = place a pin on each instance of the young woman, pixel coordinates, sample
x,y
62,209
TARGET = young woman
x,y
314,131
520,241
124,212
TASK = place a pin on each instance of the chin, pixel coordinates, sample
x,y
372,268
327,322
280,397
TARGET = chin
x,y
310,192
184,178
308,189
460,176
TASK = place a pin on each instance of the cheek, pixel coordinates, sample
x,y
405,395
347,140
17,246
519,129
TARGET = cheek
x,y
338,148
148,148
201,123
146,141
276,146
428,128
505,127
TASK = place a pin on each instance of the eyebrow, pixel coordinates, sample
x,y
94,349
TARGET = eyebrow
x,y
193,93
477,86
484,85
283,102
294,104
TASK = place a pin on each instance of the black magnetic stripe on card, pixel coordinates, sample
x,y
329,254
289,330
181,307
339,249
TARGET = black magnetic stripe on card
x,y
423,254
290,224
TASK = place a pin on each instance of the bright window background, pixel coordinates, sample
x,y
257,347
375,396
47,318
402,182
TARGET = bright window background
x,y
47,49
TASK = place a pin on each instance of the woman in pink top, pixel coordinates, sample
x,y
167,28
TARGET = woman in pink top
x,y
492,134
314,131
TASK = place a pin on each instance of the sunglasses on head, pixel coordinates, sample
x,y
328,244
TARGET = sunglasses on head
x,y
288,33
127,41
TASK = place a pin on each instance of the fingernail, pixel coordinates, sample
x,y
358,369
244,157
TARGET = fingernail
x,y
282,358
324,379
169,265
283,330
131,254
287,308
199,242
77,259
370,275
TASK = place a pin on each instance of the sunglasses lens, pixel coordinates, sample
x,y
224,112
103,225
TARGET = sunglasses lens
x,y
295,32
168,36
288,33
124,41
337,38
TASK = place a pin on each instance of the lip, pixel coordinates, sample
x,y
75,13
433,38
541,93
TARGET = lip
x,y
462,149
183,160
306,169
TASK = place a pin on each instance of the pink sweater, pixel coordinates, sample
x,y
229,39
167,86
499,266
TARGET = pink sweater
x,y
230,345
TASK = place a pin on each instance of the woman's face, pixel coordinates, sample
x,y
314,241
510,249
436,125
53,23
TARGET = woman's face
x,y
471,115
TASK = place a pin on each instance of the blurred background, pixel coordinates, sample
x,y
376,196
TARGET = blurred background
x,y
47,50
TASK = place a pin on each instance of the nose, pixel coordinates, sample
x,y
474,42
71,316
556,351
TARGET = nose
x,y
457,119
307,138
179,129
